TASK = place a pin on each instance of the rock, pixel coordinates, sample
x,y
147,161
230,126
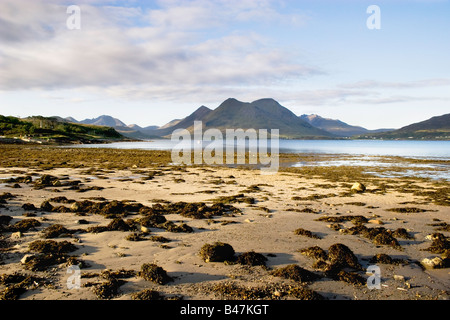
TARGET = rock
x,y
28,206
376,221
358,187
249,220
433,263
26,258
399,277
16,235
145,229
432,237
75,207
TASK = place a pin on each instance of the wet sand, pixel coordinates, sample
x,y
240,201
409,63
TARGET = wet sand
x,y
282,203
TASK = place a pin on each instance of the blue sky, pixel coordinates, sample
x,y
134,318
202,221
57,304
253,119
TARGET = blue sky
x,y
148,62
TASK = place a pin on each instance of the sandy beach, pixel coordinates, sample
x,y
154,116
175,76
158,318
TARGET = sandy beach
x,y
276,217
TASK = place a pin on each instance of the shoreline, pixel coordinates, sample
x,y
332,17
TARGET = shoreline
x,y
276,216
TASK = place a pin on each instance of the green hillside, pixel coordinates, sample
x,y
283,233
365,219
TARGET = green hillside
x,y
53,130
436,128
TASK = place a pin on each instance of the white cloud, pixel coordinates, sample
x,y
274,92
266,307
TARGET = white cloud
x,y
131,49
372,84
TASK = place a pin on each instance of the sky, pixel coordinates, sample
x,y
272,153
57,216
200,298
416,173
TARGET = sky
x,y
149,62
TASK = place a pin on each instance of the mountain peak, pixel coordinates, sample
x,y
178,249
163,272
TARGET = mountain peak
x,y
203,109
266,100
104,120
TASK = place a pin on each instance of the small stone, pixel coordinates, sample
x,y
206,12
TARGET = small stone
x,y
376,221
358,187
399,277
432,237
145,229
26,258
16,235
249,220
433,263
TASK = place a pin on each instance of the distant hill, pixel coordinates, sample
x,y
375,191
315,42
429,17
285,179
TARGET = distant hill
x,y
55,130
261,114
132,131
170,124
197,115
104,120
436,128
337,127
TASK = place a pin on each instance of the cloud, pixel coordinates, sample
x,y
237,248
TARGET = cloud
x,y
372,84
129,49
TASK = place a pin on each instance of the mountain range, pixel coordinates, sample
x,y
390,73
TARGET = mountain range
x,y
337,127
436,128
269,114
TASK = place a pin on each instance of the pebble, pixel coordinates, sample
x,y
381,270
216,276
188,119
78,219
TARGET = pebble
x,y
376,221
16,235
399,277
433,263
26,258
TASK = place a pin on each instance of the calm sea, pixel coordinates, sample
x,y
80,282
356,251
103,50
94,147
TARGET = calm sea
x,y
367,153
415,149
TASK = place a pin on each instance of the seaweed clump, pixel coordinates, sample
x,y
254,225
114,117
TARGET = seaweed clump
x,y
296,273
17,284
52,246
336,262
385,259
440,244
306,233
146,294
108,289
402,233
55,231
217,252
50,253
200,210
24,225
315,252
239,198
341,256
234,291
407,210
116,224
301,293
152,272
379,235
386,238
339,219
251,259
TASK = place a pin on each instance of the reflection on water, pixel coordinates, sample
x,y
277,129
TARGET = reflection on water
x,y
420,149
367,153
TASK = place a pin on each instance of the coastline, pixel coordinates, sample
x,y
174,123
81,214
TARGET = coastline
x,y
314,199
